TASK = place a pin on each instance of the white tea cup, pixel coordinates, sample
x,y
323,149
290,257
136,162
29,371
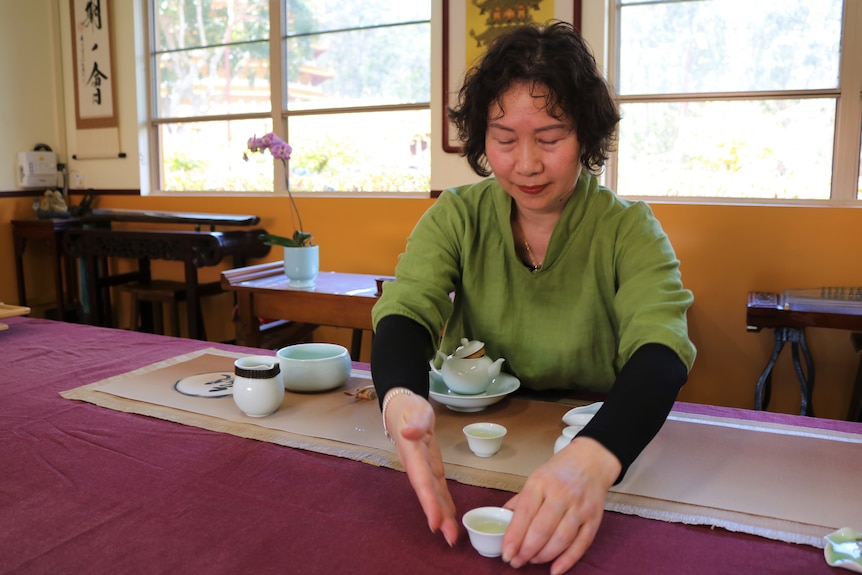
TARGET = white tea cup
x,y
486,526
484,439
566,437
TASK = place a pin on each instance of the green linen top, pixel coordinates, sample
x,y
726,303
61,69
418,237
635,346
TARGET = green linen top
x,y
610,283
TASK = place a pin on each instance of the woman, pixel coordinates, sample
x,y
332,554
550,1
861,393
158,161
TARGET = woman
x,y
576,288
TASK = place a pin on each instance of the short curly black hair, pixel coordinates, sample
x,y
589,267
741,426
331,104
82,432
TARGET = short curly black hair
x,y
552,55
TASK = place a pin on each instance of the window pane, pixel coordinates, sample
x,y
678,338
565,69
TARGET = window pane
x,y
203,156
194,24
212,60
360,68
210,81
309,16
736,149
729,46
368,152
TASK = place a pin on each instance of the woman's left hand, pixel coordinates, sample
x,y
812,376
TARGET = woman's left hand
x,y
557,513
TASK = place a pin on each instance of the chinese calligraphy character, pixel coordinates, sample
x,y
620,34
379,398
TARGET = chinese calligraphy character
x,y
94,14
96,77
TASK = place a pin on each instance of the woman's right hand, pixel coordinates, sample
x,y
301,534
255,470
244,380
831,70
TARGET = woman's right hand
x,y
410,421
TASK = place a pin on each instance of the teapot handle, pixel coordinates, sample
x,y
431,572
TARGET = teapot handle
x,y
443,357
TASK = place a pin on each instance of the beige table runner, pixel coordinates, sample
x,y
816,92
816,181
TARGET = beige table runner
x,y
781,482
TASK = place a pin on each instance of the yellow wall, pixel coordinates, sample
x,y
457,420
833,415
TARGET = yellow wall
x,y
726,251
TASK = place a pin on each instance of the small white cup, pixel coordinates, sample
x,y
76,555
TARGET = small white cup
x,y
486,526
484,439
566,437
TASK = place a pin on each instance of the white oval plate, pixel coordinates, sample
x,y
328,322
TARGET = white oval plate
x,y
581,415
213,384
503,385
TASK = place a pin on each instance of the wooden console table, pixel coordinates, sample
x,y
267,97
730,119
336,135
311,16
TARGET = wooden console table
x,y
51,232
788,315
338,300
103,242
194,249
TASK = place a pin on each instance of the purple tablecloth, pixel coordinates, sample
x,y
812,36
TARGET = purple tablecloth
x,y
84,489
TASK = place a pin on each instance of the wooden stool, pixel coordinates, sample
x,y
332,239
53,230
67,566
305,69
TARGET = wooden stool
x,y
160,292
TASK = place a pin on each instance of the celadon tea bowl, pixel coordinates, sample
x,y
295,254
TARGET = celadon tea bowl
x,y
313,367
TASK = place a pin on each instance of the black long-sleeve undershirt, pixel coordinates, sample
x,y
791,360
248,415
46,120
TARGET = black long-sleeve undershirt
x,y
633,412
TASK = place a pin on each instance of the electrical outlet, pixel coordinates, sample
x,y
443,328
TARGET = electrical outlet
x,y
78,181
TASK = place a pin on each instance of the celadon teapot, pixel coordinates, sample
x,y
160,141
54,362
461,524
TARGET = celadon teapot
x,y
468,371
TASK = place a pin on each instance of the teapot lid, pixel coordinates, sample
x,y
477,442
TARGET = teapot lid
x,y
469,349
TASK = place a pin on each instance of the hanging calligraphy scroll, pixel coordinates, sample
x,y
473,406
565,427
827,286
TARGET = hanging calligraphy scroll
x,y
92,64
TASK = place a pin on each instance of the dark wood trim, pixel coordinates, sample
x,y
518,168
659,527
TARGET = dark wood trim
x,y
40,192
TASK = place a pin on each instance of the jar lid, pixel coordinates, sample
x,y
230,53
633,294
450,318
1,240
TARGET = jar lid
x,y
258,373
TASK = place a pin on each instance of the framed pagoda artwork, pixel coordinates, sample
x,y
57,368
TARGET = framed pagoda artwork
x,y
469,26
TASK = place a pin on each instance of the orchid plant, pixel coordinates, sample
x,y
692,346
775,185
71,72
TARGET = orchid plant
x,y
280,150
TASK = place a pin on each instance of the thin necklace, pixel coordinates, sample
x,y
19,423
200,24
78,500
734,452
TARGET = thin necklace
x,y
533,267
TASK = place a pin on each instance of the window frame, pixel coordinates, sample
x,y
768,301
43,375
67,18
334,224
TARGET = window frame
x,y
848,116
278,114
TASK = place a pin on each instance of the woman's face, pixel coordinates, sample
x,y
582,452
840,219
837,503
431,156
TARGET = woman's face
x,y
535,157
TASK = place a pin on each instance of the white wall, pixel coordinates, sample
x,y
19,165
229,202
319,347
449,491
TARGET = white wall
x,y
31,108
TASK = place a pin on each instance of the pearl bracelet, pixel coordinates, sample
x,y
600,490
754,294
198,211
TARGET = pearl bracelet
x,y
392,393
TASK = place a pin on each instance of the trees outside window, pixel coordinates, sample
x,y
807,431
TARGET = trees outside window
x,y
346,82
737,99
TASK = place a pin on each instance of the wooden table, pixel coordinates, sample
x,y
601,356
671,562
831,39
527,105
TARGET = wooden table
x,y
788,315
337,300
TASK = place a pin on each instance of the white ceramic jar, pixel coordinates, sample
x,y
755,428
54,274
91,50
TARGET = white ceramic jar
x,y
257,388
